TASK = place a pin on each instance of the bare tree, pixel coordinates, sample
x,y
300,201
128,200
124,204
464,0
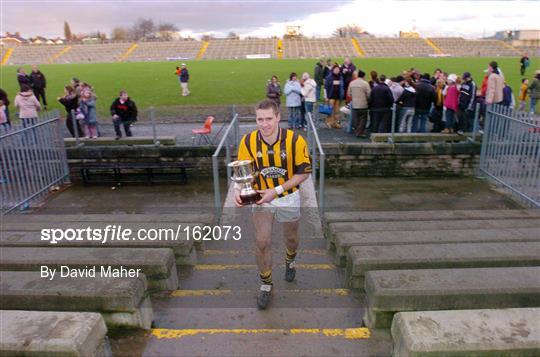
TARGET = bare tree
x,y
142,28
207,37
67,32
166,31
233,36
348,31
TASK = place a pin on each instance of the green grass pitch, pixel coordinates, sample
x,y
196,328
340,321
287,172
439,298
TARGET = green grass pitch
x,y
227,82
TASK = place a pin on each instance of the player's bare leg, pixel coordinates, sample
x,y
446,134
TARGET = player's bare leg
x,y
292,240
263,252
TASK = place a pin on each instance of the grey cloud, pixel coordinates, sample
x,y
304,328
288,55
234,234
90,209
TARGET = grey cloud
x,y
219,16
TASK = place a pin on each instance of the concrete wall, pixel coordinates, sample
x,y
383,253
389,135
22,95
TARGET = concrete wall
x,y
358,159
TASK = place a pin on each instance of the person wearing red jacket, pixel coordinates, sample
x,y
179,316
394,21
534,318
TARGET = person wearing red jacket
x,y
451,103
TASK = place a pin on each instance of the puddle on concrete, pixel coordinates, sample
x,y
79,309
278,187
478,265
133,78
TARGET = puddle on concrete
x,y
398,194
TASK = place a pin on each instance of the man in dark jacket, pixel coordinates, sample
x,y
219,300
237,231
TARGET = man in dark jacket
x,y
380,104
318,76
123,111
4,98
39,83
23,78
183,77
347,69
425,97
466,100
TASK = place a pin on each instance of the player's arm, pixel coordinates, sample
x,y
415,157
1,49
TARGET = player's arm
x,y
243,154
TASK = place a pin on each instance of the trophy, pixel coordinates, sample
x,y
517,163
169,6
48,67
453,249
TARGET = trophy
x,y
245,176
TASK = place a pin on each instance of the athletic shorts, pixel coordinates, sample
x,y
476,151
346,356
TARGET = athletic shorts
x,y
285,209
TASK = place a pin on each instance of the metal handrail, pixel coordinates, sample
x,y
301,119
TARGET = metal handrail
x,y
215,164
315,144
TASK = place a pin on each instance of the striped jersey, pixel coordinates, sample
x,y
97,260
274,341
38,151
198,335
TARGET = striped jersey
x,y
277,162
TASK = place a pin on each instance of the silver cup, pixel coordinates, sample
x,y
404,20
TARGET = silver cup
x,y
244,175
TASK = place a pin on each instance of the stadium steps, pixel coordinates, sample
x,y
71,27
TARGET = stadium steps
x,y
434,46
203,49
358,48
7,55
128,52
59,54
214,312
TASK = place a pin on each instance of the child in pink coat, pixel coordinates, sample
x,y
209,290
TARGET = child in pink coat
x,y
451,103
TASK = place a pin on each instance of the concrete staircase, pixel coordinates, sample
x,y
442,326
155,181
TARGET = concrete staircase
x,y
427,274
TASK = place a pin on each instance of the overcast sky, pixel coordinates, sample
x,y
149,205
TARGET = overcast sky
x,y
268,18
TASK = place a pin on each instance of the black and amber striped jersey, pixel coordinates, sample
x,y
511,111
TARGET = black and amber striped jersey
x,y
277,162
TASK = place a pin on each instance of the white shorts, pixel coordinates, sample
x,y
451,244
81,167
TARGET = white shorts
x,y
285,209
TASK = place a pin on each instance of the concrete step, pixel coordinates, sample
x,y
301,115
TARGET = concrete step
x,y
123,302
22,226
251,317
134,140
116,218
502,332
157,264
286,297
418,137
345,240
391,291
247,256
246,277
46,333
301,341
434,215
182,248
438,256
433,225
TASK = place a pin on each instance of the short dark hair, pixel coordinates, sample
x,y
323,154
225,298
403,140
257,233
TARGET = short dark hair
x,y
268,104
494,64
399,78
361,73
293,74
25,88
123,91
382,78
426,76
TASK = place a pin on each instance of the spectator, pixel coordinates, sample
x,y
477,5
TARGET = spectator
x,y
523,64
466,100
183,77
4,98
380,104
374,79
435,116
309,89
293,99
76,85
495,84
123,111
396,87
318,75
335,92
347,69
523,94
508,97
425,97
28,105
437,74
87,113
534,92
451,104
406,103
273,90
23,78
359,92
39,83
327,68
3,118
70,101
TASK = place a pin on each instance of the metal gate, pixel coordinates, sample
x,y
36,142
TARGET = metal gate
x,y
32,161
510,153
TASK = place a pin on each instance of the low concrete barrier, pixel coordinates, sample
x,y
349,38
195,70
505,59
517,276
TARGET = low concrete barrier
x,y
157,264
345,240
438,256
123,302
134,140
392,291
502,333
419,137
47,333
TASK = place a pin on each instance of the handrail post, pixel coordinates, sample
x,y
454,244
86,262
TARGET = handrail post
x,y
475,123
393,128
153,121
75,127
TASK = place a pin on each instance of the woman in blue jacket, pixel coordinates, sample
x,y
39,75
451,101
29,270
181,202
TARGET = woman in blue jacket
x,y
334,88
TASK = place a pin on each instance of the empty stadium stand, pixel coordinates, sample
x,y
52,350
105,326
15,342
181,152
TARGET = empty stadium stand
x,y
395,47
239,49
317,47
458,46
